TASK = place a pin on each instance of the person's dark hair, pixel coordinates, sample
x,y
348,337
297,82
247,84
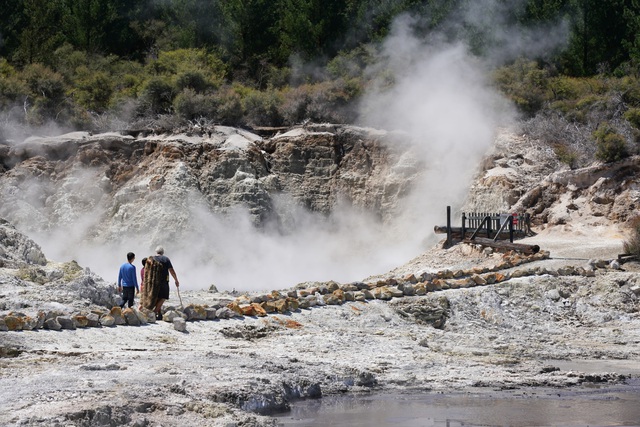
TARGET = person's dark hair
x,y
130,256
144,261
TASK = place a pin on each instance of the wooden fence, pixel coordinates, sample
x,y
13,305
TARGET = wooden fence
x,y
493,225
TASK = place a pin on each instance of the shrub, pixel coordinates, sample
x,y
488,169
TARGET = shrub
x,y
191,105
566,155
633,116
157,95
175,62
194,80
631,245
525,84
610,145
261,108
229,103
293,108
94,92
12,91
46,93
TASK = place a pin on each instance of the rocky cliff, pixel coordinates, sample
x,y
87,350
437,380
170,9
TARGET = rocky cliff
x,y
204,192
522,175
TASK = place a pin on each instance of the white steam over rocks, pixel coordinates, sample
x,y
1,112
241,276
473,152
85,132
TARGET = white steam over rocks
x,y
231,208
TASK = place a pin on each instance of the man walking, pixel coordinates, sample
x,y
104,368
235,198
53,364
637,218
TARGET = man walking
x,y
127,281
167,268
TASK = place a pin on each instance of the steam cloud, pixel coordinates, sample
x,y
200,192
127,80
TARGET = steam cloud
x,y
440,97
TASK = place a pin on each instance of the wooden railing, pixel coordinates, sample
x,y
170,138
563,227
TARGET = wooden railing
x,y
492,225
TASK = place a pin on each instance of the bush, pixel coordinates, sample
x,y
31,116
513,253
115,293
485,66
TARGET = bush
x,y
525,84
46,94
157,95
633,116
176,62
191,105
229,103
631,245
94,93
610,145
566,155
12,91
261,108
194,80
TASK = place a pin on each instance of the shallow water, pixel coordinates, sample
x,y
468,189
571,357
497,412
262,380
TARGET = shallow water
x,y
610,406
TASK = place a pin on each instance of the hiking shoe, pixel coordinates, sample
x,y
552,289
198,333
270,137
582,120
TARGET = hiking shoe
x,y
158,316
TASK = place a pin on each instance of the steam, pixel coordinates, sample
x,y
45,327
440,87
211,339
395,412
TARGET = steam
x,y
433,90
442,98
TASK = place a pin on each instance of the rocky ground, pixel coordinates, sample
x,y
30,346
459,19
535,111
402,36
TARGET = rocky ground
x,y
448,320
227,372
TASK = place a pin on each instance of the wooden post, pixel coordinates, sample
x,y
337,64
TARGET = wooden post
x,y
464,225
449,227
510,219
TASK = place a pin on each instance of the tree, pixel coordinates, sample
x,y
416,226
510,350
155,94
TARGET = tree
x,y
42,33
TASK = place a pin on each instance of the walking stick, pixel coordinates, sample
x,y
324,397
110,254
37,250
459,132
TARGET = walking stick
x,y
178,289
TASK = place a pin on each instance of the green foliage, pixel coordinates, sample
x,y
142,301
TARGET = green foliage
x,y
94,92
194,80
12,91
157,95
525,84
566,155
46,94
190,104
246,62
633,116
611,146
261,108
229,106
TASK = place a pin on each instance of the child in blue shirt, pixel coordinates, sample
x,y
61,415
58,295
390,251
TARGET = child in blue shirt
x,y
127,281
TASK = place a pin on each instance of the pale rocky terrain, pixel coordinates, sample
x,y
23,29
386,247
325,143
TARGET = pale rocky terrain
x,y
449,319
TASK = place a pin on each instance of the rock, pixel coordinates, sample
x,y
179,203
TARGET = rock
x,y
409,290
13,323
479,280
142,317
553,295
66,322
170,315
382,293
93,320
368,294
411,278
195,312
615,264
281,305
331,299
52,324
107,320
248,310
179,324
81,320
211,313
268,306
131,317
396,293
213,289
116,313
225,313
258,310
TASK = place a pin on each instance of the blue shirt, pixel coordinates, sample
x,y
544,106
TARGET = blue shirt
x,y
127,276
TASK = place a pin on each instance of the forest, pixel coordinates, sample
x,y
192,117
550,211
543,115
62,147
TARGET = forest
x,y
107,64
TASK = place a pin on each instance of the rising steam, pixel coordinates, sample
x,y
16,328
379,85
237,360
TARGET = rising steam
x,y
434,91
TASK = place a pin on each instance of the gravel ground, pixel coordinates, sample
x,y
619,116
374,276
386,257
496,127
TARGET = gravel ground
x,y
228,372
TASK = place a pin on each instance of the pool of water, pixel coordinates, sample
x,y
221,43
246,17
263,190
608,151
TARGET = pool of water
x,y
595,406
